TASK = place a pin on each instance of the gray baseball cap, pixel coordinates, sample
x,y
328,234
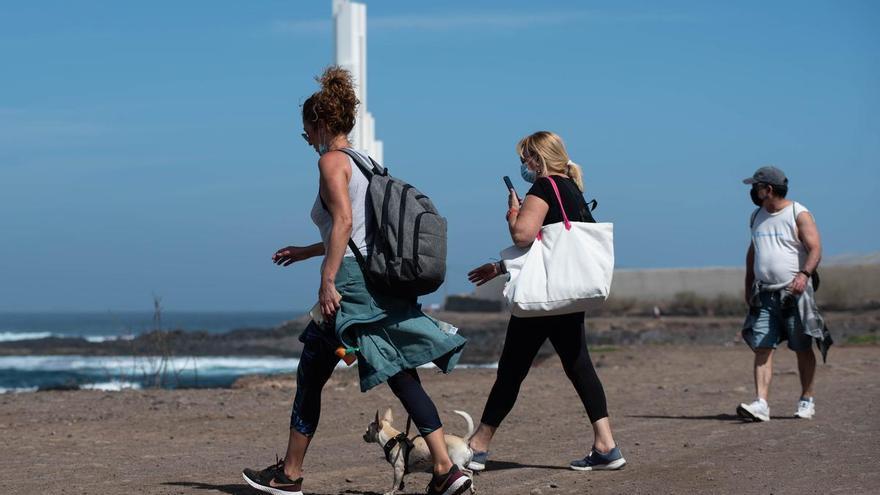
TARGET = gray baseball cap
x,y
768,175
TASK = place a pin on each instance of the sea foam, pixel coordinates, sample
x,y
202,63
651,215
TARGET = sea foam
x,y
204,365
15,336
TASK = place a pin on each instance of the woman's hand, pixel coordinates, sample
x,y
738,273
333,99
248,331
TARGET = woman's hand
x,y
513,201
290,254
483,273
329,299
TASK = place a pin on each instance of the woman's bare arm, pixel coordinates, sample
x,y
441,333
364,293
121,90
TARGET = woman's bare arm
x,y
335,175
525,224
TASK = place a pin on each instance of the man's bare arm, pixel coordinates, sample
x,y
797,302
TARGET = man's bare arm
x,y
809,236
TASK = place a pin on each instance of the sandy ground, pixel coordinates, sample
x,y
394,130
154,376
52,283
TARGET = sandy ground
x,y
672,409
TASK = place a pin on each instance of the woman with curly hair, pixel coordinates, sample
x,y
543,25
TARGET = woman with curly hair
x,y
397,326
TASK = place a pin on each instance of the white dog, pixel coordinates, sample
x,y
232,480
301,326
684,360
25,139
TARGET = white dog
x,y
407,455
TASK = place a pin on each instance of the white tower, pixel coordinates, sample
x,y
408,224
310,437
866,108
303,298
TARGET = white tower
x,y
350,29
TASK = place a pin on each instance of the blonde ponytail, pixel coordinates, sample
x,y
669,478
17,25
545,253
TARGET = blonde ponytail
x,y
576,174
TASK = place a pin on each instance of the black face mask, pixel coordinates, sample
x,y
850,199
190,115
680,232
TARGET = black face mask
x,y
755,199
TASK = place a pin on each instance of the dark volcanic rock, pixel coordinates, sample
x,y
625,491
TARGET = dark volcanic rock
x,y
282,342
485,333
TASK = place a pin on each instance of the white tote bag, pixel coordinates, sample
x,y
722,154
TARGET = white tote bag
x,y
566,270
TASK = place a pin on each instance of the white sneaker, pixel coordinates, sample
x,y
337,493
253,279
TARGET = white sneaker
x,y
756,411
806,409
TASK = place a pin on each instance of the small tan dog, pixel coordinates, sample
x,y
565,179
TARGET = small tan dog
x,y
396,448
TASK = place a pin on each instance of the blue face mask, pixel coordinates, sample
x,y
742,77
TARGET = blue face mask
x,y
323,148
529,176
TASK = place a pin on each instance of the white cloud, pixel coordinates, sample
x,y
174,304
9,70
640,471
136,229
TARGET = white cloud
x,y
302,26
482,20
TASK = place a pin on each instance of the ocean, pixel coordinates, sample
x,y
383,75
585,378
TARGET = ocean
x,y
30,373
97,326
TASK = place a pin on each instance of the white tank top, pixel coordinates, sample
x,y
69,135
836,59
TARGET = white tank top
x,y
357,193
779,252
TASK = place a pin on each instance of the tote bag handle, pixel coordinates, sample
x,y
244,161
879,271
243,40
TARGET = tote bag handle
x,y
561,208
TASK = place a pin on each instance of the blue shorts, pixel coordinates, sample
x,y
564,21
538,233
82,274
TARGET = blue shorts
x,y
775,323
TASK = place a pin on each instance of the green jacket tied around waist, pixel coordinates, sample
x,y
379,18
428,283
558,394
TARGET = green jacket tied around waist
x,y
392,334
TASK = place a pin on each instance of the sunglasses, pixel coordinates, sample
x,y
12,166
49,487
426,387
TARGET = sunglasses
x,y
305,136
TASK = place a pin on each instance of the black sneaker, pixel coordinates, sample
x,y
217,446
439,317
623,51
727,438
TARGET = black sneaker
x,y
273,480
452,483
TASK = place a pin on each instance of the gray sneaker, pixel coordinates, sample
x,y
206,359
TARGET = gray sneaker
x,y
478,461
597,461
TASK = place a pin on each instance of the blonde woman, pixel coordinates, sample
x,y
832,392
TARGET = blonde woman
x,y
544,159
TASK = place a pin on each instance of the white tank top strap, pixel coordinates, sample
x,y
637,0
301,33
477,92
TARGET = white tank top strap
x,y
797,209
357,193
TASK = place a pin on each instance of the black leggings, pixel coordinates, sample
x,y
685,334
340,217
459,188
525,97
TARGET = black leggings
x,y
524,338
317,363
408,388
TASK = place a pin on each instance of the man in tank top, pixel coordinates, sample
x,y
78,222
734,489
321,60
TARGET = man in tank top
x,y
783,255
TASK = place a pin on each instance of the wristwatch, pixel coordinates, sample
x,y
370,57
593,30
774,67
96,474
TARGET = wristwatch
x,y
808,274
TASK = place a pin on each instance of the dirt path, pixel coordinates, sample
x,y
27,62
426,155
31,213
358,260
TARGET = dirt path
x,y
673,419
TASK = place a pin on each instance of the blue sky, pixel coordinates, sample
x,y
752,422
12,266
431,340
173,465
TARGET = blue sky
x,y
154,147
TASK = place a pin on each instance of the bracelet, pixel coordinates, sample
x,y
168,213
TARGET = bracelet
x,y
808,274
501,268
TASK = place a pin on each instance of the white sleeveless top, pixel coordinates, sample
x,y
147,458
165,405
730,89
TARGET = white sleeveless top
x,y
357,193
779,252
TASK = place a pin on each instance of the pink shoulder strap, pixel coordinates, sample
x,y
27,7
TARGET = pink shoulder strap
x,y
559,198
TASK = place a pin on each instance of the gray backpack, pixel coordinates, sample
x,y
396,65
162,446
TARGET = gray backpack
x,y
408,248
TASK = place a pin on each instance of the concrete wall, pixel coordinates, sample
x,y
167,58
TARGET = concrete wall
x,y
840,283
655,284
665,283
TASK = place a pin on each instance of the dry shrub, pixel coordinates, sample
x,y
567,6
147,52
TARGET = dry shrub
x,y
849,287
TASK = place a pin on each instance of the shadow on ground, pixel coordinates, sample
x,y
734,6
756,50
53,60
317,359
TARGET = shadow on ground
x,y
502,465
240,489
710,417
243,489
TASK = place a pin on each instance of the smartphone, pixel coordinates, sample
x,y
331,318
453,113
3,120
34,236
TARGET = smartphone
x,y
510,187
509,184
316,315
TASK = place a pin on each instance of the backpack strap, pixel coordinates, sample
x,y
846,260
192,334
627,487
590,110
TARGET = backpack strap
x,y
354,249
587,212
754,216
368,169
